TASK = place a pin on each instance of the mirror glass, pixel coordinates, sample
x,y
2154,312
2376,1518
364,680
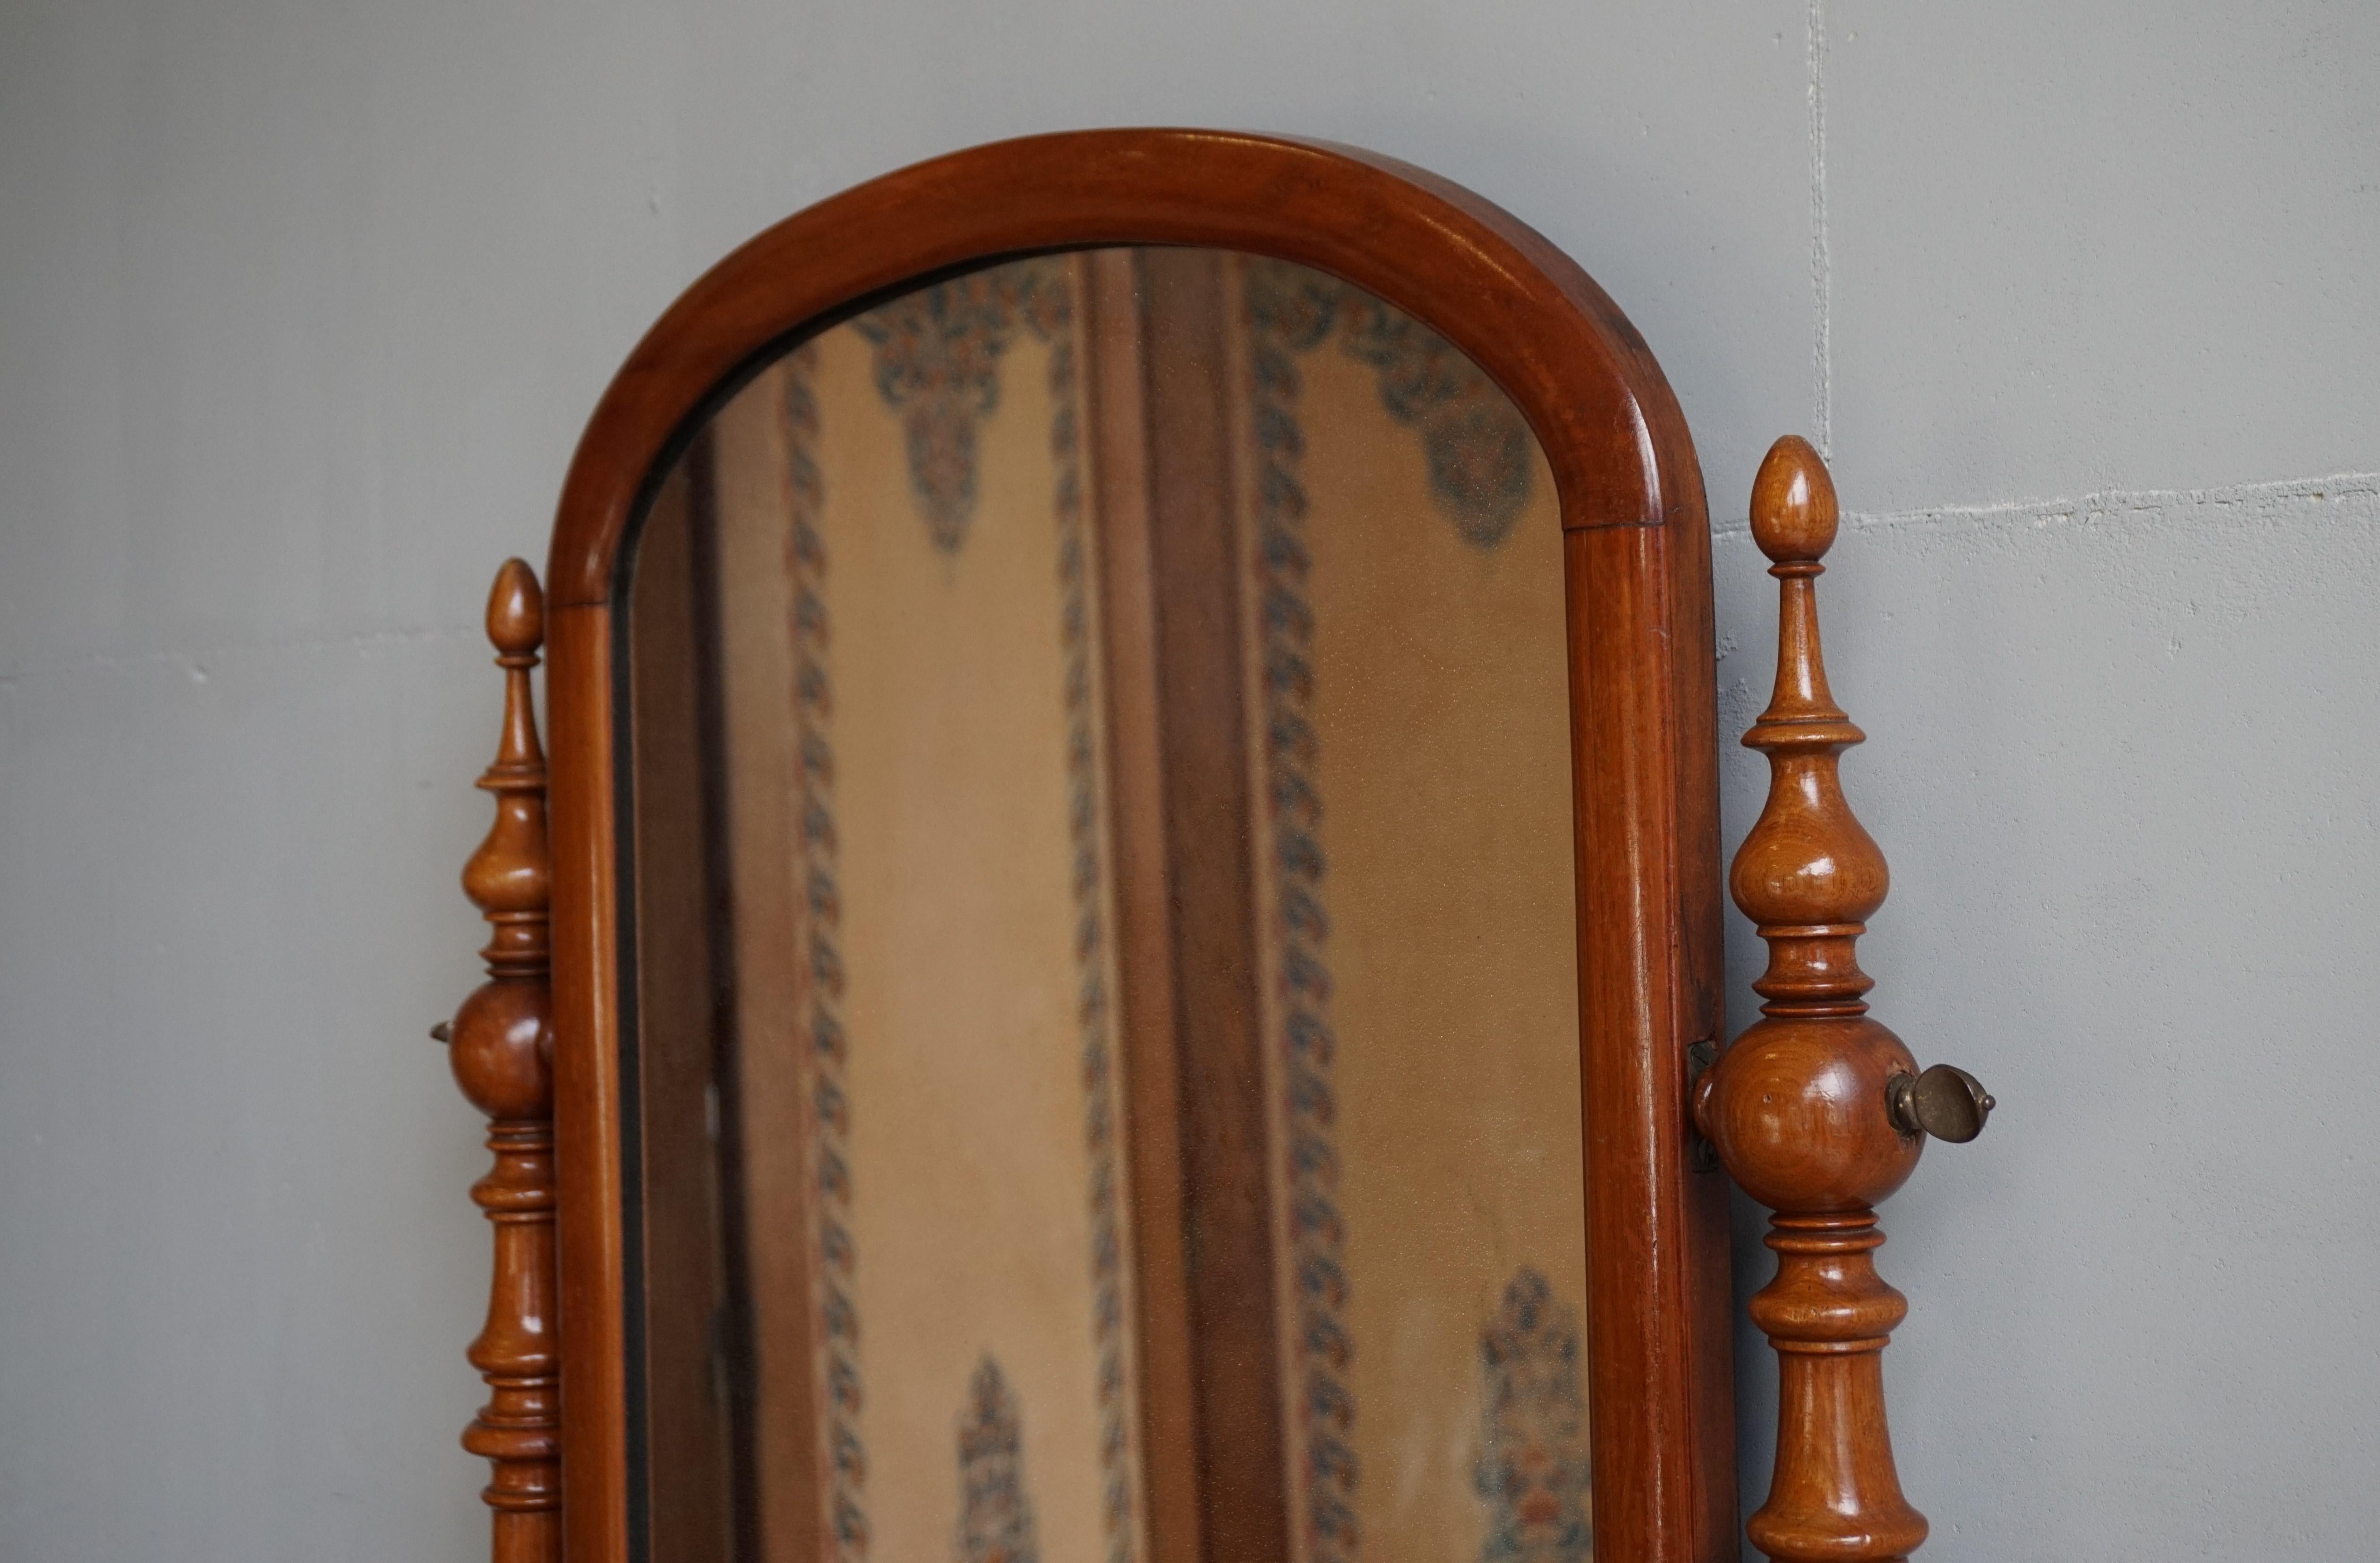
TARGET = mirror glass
x,y
1063,695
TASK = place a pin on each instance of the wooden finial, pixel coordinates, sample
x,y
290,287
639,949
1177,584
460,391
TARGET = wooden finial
x,y
502,1047
517,610
1808,873
1793,503
1817,1110
507,878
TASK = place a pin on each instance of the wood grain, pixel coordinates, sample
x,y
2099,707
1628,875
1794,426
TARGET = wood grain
x,y
501,1043
1658,1469
1797,1108
1488,283
1638,594
588,1121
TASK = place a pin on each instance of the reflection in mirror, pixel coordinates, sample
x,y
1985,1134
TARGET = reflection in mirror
x,y
1100,742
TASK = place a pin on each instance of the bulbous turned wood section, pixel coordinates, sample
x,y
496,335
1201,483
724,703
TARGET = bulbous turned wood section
x,y
502,1047
1817,1110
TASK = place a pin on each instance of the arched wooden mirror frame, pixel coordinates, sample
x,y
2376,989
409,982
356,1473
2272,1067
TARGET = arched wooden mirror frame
x,y
1637,571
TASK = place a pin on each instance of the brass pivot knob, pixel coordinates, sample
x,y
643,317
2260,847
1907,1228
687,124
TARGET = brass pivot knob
x,y
1946,1102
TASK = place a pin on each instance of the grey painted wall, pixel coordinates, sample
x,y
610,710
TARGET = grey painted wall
x,y
301,304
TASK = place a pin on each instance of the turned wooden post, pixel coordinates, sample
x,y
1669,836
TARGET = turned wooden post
x,y
502,1044
1818,1111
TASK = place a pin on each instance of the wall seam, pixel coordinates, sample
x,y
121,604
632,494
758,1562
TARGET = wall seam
x,y
1821,281
106,661
2257,500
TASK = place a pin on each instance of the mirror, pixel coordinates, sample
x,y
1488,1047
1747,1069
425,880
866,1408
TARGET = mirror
x,y
1103,935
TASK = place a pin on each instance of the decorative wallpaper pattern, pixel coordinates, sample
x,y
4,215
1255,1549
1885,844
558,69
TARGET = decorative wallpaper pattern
x,y
1478,446
1053,312
938,352
995,1512
807,563
1533,1463
1354,1138
1290,309
936,358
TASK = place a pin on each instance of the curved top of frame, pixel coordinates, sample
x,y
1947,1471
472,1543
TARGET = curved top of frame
x,y
1478,276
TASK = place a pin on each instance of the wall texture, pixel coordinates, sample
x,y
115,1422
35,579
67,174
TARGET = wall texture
x,y
302,301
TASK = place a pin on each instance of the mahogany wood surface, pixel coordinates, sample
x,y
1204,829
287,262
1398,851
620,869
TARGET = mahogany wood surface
x,y
1799,1107
1660,1373
588,1117
1485,281
501,1043
1659,1348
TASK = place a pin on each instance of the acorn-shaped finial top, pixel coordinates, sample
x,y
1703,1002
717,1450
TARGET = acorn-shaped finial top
x,y
1793,503
517,609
